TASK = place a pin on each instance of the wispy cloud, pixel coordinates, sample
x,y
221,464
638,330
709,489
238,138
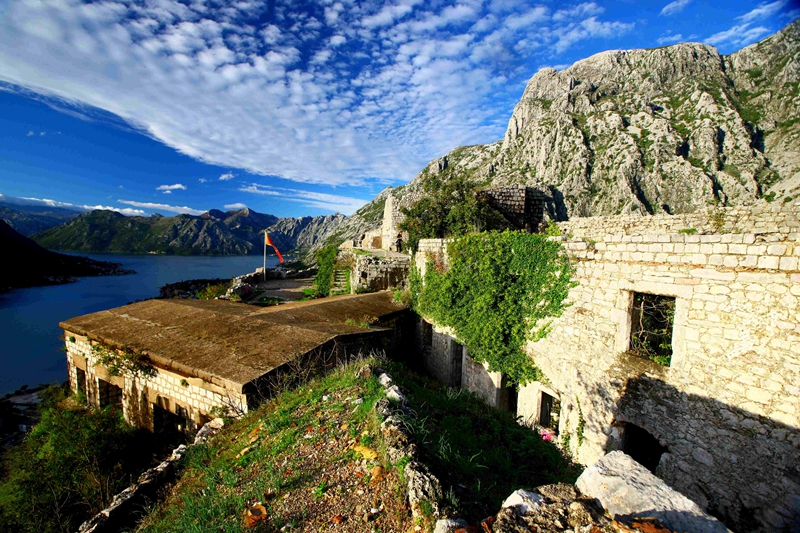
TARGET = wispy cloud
x,y
742,33
670,39
163,207
167,189
738,36
227,176
68,205
763,11
673,8
329,202
238,205
202,180
30,134
341,93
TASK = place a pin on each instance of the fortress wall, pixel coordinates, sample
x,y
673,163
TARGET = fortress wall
x,y
168,390
775,221
726,408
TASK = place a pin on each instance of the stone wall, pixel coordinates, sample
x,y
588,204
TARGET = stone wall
x,y
726,408
391,218
769,221
189,397
523,206
379,273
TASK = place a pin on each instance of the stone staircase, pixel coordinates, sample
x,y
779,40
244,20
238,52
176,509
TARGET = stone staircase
x,y
340,282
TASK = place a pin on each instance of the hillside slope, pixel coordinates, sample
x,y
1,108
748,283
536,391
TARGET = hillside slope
x,y
28,264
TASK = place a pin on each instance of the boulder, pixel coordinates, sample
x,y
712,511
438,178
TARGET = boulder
x,y
627,490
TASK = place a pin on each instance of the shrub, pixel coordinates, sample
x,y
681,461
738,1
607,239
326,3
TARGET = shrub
x,y
326,259
212,291
450,207
70,466
497,294
688,231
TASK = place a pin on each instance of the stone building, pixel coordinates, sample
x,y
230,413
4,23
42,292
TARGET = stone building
x,y
210,356
719,422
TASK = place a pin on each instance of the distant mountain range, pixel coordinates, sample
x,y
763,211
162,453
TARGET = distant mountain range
x,y
29,264
216,232
29,219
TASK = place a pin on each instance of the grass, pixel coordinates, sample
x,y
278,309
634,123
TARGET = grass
x,y
277,455
481,455
266,301
210,292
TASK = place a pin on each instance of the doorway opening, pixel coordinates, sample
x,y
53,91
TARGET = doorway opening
x,y
643,447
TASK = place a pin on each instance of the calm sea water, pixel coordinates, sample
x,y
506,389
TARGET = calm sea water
x,y
30,345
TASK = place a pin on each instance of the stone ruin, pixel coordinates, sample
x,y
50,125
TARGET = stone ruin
x,y
719,421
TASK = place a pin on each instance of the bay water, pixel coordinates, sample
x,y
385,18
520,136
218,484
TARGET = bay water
x,y
30,339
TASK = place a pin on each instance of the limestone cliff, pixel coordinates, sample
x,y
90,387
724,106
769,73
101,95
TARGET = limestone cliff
x,y
669,129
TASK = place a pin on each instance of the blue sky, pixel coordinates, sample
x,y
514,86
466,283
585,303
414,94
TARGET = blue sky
x,y
291,107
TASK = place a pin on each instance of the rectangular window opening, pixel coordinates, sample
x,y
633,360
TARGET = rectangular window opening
x,y
652,321
549,412
80,376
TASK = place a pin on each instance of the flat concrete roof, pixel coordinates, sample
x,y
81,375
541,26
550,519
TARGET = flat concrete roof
x,y
226,343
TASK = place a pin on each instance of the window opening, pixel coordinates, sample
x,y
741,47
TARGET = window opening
x,y
549,411
652,321
80,381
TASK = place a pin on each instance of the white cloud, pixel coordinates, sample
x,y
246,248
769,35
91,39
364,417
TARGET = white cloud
x,y
163,207
764,10
227,176
238,205
587,9
673,8
329,202
669,39
68,205
738,36
167,189
30,134
342,93
202,180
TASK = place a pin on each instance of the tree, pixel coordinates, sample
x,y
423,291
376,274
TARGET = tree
x,y
70,466
449,208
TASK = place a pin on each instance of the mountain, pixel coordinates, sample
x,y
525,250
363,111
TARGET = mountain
x,y
29,264
29,219
665,130
215,232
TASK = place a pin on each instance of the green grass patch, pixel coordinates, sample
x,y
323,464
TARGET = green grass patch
x,y
481,455
210,292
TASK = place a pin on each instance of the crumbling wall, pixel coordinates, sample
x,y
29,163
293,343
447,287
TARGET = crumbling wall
x,y
379,273
196,398
726,408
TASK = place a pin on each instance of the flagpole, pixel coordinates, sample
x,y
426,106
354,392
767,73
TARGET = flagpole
x,y
265,256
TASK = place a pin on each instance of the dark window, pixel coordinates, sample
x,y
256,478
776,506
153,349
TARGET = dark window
x,y
549,411
80,381
457,357
108,394
652,320
642,446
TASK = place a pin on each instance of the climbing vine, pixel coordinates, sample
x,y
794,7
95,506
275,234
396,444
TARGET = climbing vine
x,y
326,260
123,361
498,293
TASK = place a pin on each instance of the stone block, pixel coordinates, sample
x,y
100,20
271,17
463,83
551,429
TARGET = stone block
x,y
627,489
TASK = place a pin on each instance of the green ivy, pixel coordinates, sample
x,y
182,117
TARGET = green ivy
x,y
326,259
498,292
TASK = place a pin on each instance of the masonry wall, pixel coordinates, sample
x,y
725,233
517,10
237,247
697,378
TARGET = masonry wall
x,y
727,406
378,273
168,390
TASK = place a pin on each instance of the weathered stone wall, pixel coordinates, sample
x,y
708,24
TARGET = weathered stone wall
x,y
727,406
379,273
489,386
168,390
391,218
770,221
523,206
